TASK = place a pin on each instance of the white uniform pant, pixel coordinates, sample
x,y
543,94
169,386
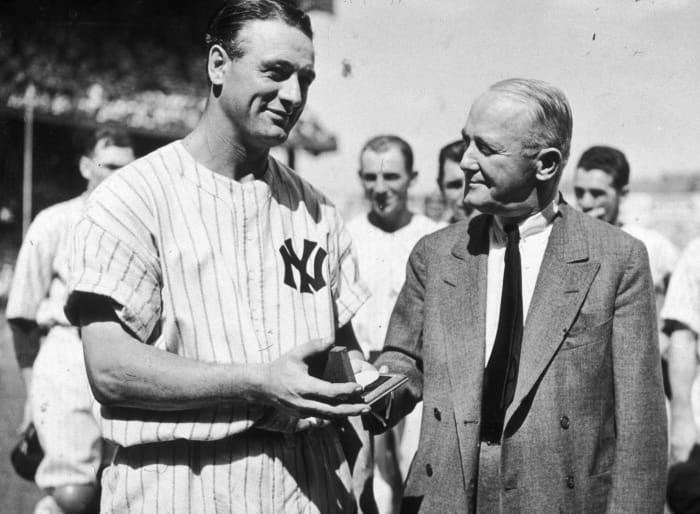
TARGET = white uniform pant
x,y
62,412
388,480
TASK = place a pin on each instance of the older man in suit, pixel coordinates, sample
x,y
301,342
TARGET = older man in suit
x,y
529,333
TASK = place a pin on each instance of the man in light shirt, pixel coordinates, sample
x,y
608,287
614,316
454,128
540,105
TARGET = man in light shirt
x,y
384,237
529,335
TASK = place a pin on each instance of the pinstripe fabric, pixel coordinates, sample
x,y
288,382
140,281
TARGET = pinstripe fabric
x,y
60,394
194,261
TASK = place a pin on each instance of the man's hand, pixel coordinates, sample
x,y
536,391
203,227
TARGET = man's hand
x,y
287,386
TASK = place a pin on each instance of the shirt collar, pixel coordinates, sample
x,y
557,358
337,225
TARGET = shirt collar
x,y
534,224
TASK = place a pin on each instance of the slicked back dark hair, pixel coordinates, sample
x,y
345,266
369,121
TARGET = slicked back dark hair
x,y
608,159
379,144
450,152
227,22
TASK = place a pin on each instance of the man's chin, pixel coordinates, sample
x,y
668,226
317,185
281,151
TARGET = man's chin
x,y
275,137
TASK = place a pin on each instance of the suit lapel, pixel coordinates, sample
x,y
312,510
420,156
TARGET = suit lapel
x,y
565,276
463,316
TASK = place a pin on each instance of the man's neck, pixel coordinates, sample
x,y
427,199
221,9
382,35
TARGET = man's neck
x,y
221,151
390,224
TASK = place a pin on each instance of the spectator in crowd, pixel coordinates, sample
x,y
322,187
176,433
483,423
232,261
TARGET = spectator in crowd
x,y
59,402
385,237
451,179
601,183
208,280
552,402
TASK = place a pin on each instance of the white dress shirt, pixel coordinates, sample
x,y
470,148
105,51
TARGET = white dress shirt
x,y
534,235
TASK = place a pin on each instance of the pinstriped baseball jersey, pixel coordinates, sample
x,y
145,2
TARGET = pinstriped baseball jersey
x,y
217,270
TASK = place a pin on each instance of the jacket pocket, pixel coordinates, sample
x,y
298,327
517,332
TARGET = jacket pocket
x,y
580,336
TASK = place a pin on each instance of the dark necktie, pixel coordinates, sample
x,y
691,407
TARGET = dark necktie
x,y
501,372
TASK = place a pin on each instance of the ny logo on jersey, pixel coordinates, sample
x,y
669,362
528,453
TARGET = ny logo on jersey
x,y
307,283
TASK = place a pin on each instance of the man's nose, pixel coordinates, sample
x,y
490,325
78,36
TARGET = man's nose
x,y
380,185
468,162
586,202
290,92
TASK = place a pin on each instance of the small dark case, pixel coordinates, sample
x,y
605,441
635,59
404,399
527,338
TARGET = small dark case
x,y
27,454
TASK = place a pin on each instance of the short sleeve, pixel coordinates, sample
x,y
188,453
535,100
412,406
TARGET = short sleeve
x,y
349,292
34,267
114,255
682,301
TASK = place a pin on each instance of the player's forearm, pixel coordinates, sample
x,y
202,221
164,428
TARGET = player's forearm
x,y
25,339
682,365
124,372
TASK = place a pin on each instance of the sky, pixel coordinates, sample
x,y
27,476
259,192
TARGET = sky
x,y
630,69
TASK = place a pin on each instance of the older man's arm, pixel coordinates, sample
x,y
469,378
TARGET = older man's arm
x,y
403,346
639,472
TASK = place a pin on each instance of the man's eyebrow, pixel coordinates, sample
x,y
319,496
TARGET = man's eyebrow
x,y
288,66
493,145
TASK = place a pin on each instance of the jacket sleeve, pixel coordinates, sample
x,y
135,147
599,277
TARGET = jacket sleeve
x,y
639,473
403,346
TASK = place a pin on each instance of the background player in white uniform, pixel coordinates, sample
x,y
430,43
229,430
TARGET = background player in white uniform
x,y
205,277
59,400
385,237
600,185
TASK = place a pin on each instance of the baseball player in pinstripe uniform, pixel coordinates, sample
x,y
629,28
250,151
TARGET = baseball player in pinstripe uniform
x,y
58,396
205,278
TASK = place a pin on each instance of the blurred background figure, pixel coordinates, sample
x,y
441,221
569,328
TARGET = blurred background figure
x,y
384,237
601,183
49,351
434,205
451,182
681,315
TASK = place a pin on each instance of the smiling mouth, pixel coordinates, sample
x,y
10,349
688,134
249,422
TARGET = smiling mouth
x,y
282,117
381,202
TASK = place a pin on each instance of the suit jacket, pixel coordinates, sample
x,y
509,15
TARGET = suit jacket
x,y
586,431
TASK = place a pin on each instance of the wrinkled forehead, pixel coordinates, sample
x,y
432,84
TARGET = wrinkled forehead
x,y
388,158
274,38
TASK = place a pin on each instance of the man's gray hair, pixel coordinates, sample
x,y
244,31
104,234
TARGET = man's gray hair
x,y
550,110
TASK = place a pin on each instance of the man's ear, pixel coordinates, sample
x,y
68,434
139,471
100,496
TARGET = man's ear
x,y
215,64
412,176
85,165
623,191
548,163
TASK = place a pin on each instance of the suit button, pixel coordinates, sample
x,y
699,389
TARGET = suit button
x,y
565,422
570,482
437,414
428,470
